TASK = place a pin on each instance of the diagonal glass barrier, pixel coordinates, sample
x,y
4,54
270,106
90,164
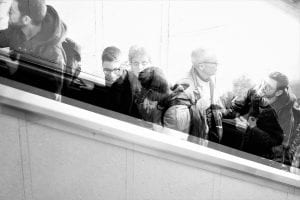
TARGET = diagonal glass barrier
x,y
257,121
81,91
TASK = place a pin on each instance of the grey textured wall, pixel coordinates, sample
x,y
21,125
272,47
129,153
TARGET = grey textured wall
x,y
43,158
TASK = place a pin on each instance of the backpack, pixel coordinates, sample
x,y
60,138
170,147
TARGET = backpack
x,y
197,121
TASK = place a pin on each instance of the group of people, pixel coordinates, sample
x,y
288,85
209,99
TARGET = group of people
x,y
264,121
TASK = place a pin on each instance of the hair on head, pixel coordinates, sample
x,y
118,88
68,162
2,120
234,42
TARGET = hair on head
x,y
110,54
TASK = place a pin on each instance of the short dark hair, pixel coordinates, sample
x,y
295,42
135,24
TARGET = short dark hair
x,y
281,79
110,54
35,9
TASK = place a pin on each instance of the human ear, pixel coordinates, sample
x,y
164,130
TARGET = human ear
x,y
26,20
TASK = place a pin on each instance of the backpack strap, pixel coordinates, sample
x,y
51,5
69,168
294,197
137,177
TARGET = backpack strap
x,y
216,119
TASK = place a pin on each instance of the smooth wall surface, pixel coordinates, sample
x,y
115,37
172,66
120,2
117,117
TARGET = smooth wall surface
x,y
44,158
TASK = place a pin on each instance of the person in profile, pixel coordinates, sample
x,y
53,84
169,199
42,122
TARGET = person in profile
x,y
263,120
121,84
139,59
35,34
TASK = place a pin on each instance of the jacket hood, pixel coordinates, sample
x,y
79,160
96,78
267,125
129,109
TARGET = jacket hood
x,y
53,30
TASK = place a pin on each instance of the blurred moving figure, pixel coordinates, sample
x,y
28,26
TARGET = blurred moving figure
x,y
240,87
35,34
72,59
72,69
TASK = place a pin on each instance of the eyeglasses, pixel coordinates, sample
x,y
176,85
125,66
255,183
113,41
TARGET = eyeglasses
x,y
109,71
137,64
207,63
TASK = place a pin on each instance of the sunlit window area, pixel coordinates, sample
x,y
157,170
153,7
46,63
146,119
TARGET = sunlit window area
x,y
267,40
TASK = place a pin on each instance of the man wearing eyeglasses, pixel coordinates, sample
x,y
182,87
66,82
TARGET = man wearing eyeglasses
x,y
264,119
200,84
121,84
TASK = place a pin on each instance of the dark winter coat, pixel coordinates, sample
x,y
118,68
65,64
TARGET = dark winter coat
x,y
260,139
121,94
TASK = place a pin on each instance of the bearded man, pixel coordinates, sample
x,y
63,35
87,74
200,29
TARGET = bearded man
x,y
263,120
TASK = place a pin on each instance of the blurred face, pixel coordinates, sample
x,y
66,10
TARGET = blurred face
x,y
139,63
207,65
209,68
112,71
268,88
15,17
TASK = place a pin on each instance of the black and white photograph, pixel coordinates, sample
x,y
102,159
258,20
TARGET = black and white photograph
x,y
149,99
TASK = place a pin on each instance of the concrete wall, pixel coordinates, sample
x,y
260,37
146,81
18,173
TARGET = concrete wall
x,y
45,158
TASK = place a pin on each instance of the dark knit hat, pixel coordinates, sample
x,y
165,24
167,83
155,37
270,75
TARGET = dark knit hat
x,y
154,82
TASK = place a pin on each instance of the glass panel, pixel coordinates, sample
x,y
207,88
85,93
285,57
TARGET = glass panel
x,y
248,47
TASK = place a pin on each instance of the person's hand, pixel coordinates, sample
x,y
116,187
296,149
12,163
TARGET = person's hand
x,y
252,122
13,62
241,124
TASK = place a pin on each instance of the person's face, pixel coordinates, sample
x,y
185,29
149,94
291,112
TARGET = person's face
x,y
210,68
112,71
139,63
268,88
15,17
207,65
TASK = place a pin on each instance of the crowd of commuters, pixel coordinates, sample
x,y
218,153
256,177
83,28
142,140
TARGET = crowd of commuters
x,y
262,120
